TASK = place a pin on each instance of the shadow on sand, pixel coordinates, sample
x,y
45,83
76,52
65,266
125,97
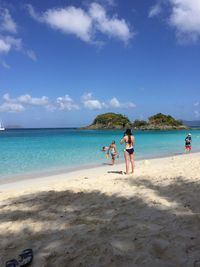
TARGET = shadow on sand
x,y
66,228
116,172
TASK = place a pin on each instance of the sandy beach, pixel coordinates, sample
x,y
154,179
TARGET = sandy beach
x,y
101,217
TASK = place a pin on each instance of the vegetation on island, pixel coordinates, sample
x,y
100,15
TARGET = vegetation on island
x,y
139,123
159,121
110,121
118,121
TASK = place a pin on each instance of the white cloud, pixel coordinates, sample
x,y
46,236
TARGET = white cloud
x,y
31,54
19,103
113,27
185,18
7,43
196,104
6,21
69,20
33,13
7,24
115,103
4,46
84,24
15,43
66,103
86,96
62,103
91,103
11,107
8,28
155,10
27,100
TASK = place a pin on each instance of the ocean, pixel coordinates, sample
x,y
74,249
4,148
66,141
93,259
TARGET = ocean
x,y
31,151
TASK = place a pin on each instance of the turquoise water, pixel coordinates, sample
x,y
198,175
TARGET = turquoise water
x,y
36,150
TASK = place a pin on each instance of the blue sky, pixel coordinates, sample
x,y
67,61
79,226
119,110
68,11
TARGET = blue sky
x,y
64,62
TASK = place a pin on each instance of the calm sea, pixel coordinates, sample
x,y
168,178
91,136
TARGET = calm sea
x,y
25,151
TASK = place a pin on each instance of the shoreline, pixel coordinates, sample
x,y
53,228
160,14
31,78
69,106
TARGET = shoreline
x,y
101,217
66,171
44,178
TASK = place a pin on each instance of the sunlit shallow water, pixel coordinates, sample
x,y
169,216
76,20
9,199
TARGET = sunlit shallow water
x,y
25,151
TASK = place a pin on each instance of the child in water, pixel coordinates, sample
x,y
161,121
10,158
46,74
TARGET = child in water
x,y
106,149
111,150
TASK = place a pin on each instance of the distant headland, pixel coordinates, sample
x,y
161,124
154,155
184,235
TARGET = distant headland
x,y
115,121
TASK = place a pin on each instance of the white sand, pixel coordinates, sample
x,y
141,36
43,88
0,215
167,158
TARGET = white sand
x,y
94,218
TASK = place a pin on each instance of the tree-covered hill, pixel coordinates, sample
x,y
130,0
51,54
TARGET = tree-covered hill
x,y
159,121
110,121
118,121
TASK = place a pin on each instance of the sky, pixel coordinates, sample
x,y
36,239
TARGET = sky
x,y
63,62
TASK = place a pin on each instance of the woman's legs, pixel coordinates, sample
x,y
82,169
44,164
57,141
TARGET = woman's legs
x,y
132,159
113,159
127,161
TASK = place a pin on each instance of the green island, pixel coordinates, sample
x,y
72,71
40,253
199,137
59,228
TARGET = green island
x,y
116,121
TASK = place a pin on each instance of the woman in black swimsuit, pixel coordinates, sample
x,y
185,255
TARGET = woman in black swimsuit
x,y
129,141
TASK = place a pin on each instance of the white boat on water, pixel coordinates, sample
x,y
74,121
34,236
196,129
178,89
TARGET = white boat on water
x,y
1,127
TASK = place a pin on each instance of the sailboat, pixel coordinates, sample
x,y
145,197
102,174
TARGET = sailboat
x,y
1,127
